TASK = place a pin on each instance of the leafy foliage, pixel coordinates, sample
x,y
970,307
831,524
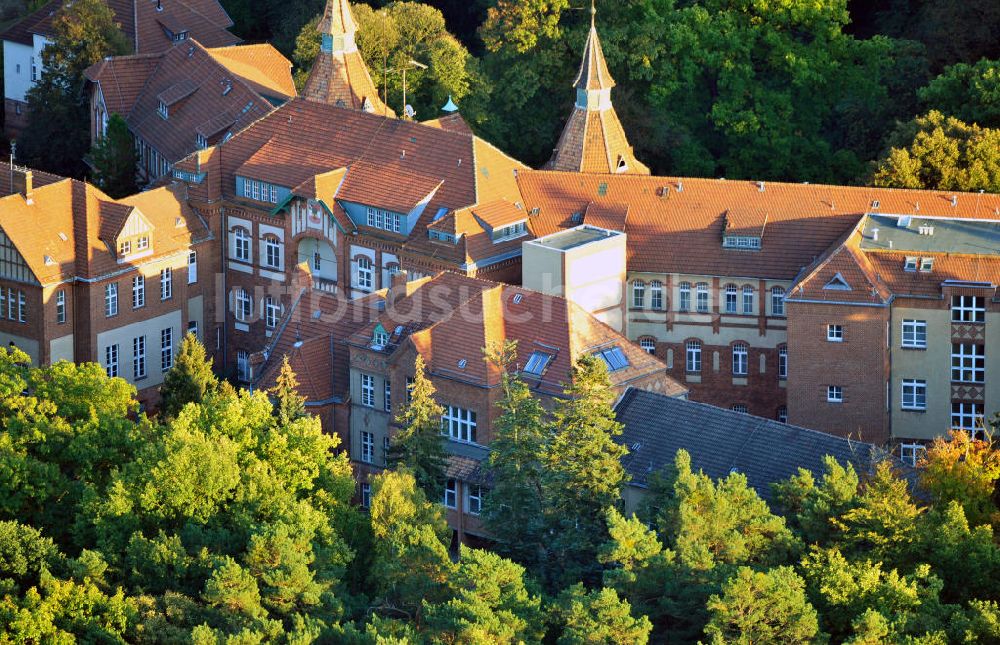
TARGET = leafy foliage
x,y
114,160
419,445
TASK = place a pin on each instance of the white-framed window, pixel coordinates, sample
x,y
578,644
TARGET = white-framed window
x,y
380,337
834,394
244,305
782,415
272,252
968,309
782,361
22,307
241,244
243,372
459,424
968,363
272,312
741,354
11,305
166,348
366,495
60,306
702,293
741,408
367,447
193,327
139,357
366,273
142,243
124,247
537,363
475,499
111,299
915,333
911,453
3,304
914,394
693,362
138,291
368,390
730,299
777,301
684,297
111,360
926,265
638,294
510,231
200,141
386,444
910,263
450,497
835,333
747,300
378,218
656,295
192,267
648,344
968,416
614,358
387,395
166,284
163,110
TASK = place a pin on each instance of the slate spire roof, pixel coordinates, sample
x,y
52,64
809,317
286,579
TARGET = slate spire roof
x,y
339,75
593,140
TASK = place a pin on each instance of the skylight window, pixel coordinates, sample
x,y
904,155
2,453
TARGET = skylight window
x,y
926,264
910,264
614,357
537,363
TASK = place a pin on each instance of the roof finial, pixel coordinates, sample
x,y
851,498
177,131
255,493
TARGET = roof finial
x,y
593,13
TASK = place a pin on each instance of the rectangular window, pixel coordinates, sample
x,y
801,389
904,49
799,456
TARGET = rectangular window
x,y
968,416
3,304
111,360
241,245
387,395
968,309
684,297
740,359
368,390
138,291
777,301
459,424
272,253
475,505
60,306
244,305
914,394
638,294
835,333
11,305
166,284
365,273
915,333
366,495
367,447
702,297
614,358
192,267
124,248
386,443
139,357
193,327
272,312
243,372
166,349
910,453
968,363
747,301
730,303
834,394
656,294
22,307
142,243
111,299
450,498
693,356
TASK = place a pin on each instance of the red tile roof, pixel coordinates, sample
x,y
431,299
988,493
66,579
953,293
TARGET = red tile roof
x,y
389,186
593,73
262,66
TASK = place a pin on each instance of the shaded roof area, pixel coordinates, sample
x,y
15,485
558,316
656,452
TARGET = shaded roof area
x,y
722,441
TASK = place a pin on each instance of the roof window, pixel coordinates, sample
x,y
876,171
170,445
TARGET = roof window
x,y
537,363
614,358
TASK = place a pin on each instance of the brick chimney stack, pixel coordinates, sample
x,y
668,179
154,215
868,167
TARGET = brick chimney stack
x,y
22,182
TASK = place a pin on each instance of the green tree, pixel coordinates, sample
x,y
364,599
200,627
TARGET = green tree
x,y
762,607
941,153
419,445
289,404
970,93
598,616
811,507
963,470
188,380
114,160
57,135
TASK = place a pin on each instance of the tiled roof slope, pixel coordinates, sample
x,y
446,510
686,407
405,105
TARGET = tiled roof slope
x,y
262,66
843,274
962,268
452,122
143,23
61,232
675,225
593,73
723,441
302,139
193,82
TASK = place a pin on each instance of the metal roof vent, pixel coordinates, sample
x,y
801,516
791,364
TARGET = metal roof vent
x,y
760,186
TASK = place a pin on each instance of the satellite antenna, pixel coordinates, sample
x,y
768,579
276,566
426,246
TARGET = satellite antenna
x,y
409,111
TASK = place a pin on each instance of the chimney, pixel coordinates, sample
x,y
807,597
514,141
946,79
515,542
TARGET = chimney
x,y
398,287
22,182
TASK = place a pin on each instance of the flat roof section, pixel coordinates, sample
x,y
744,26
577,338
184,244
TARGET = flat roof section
x,y
574,237
930,235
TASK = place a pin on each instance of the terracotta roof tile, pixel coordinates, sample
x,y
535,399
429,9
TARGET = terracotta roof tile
x,y
967,268
122,79
261,66
452,122
499,213
387,185
593,73
342,80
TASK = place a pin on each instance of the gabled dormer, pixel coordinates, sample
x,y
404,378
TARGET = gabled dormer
x,y
134,238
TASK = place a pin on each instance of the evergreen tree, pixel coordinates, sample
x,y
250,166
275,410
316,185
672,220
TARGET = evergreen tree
x,y
114,160
598,616
762,607
419,446
188,380
289,404
810,506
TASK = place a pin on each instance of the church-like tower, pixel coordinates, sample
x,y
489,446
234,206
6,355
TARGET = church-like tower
x,y
339,75
593,140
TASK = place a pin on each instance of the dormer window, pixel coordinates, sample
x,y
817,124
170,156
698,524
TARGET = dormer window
x,y
926,264
741,242
441,236
142,243
510,232
180,36
378,218
380,337
201,141
910,264
163,110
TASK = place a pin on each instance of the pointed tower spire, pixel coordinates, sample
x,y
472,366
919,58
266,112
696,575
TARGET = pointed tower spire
x,y
593,140
339,75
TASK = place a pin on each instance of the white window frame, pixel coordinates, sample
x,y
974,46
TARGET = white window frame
x,y
638,294
741,408
272,252
192,267
138,291
730,299
968,309
272,312
22,307
166,348
111,300
474,499
367,447
909,453
692,358
366,495
747,300
139,357
741,359
968,416
782,416
366,272
111,360
835,333
971,361
834,394
656,295
241,244
777,301
914,334
783,362
166,283
914,394
648,344
243,371
244,305
387,395
368,390
702,294
459,424
684,297
60,306
450,496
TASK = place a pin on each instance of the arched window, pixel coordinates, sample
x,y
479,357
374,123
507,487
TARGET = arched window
x,y
684,296
740,359
782,361
702,288
638,294
648,343
747,300
244,305
365,273
656,295
730,302
693,362
272,312
241,244
777,301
